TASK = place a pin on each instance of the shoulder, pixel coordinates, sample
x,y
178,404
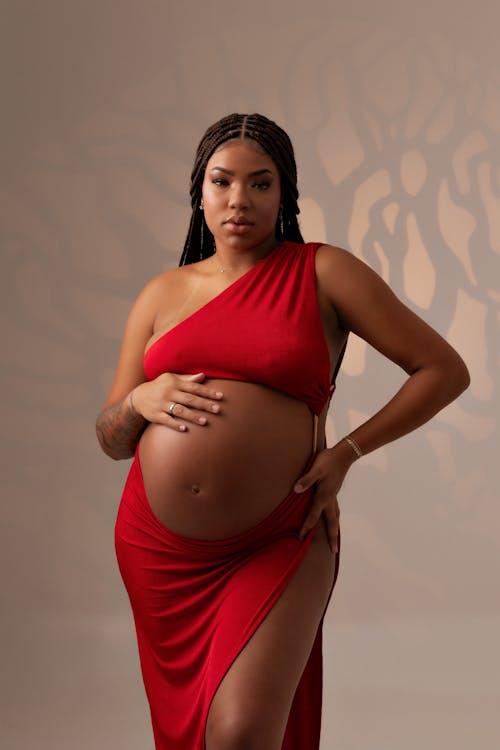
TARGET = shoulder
x,y
331,256
169,278
174,280
339,268
329,260
326,256
353,287
167,289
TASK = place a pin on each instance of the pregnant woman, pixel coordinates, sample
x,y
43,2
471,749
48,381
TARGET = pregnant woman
x,y
227,534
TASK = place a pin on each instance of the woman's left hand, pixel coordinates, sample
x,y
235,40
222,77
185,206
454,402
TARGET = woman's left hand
x,y
327,472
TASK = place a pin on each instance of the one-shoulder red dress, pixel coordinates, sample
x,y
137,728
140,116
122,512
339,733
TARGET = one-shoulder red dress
x,y
196,603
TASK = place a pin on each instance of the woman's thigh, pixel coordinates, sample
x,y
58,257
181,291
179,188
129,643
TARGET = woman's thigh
x,y
251,705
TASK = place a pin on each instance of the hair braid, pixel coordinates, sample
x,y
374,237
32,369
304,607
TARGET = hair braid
x,y
276,143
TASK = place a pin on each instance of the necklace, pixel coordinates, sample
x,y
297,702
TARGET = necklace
x,y
221,268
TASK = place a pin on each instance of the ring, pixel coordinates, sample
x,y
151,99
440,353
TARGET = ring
x,y
171,408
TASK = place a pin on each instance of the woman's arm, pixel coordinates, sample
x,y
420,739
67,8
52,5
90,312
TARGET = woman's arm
x,y
133,402
119,428
366,306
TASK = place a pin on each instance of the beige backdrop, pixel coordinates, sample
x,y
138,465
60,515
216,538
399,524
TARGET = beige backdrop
x,y
394,109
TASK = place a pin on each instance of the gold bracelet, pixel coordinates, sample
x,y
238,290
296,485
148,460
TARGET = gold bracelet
x,y
357,450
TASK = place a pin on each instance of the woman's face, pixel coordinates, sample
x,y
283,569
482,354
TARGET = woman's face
x,y
241,196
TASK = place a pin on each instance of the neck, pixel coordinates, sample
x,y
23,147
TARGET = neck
x,y
239,260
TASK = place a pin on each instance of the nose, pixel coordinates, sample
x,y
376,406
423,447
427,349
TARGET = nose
x,y
238,197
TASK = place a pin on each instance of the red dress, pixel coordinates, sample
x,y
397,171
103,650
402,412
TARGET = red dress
x,y
196,603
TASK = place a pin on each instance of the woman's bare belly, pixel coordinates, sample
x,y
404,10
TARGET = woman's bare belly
x,y
218,480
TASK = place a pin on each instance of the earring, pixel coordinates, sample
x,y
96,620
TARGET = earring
x,y
201,229
280,217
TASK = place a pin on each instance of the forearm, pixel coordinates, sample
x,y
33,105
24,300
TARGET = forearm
x,y
119,428
423,395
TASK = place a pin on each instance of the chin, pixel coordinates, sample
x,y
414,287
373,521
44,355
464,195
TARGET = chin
x,y
241,242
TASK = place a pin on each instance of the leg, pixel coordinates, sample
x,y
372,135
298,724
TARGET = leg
x,y
250,709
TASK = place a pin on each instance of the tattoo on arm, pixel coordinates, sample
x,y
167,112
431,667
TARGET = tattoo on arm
x,y
118,429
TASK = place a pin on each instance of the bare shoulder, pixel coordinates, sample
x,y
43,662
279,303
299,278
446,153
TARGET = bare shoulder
x,y
165,289
349,283
140,327
330,253
150,302
331,260
165,283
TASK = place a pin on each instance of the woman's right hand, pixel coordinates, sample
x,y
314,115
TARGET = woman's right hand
x,y
192,400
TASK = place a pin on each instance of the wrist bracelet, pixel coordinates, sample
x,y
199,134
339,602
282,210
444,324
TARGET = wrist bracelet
x,y
131,399
357,450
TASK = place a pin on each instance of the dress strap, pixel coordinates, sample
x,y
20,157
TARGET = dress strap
x,y
315,433
337,367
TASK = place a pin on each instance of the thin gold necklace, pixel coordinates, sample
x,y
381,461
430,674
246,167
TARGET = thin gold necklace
x,y
221,268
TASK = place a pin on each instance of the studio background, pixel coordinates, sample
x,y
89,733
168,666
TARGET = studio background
x,y
394,112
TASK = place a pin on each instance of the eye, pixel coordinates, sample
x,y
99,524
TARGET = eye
x,y
262,185
219,181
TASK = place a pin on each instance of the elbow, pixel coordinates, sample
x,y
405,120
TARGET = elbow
x,y
456,375
112,449
462,375
114,453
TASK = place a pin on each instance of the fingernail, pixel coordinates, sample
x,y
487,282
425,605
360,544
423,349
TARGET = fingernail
x,y
219,394
202,420
215,407
182,428
298,487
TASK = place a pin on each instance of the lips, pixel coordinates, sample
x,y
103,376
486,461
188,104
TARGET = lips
x,y
237,225
238,220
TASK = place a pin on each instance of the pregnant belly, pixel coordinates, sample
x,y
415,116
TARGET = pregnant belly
x,y
218,480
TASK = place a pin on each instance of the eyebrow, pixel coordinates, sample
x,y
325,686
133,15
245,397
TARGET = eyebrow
x,y
250,174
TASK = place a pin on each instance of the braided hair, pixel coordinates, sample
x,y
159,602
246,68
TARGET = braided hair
x,y
276,143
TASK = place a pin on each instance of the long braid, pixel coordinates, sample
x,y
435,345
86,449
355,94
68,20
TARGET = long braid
x,y
277,144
